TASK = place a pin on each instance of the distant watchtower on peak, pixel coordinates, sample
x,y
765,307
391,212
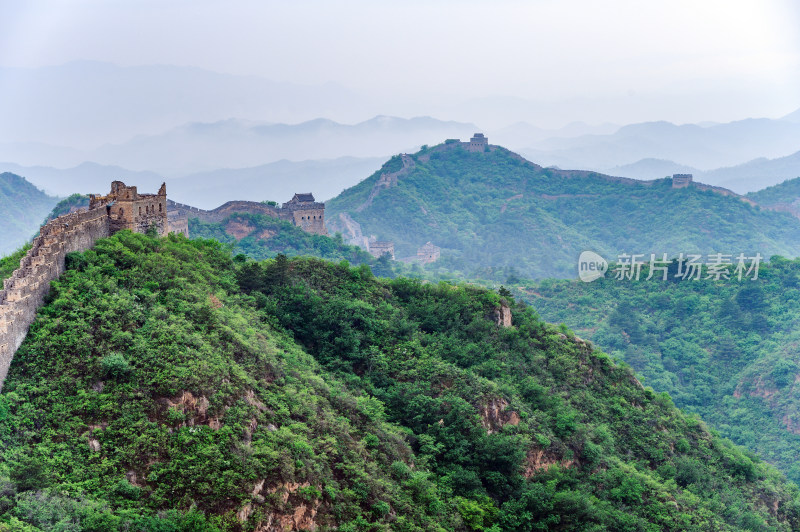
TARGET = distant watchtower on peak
x,y
478,143
681,180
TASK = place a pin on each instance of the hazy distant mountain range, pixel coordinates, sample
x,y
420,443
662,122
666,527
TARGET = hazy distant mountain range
x,y
198,147
705,148
74,127
276,181
471,205
219,146
22,209
88,103
748,177
238,144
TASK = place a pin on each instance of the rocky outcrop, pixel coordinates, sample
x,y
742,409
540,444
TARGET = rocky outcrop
x,y
494,415
540,460
295,513
502,315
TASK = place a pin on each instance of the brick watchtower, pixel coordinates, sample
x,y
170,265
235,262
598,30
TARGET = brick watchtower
x,y
127,209
681,180
478,143
305,212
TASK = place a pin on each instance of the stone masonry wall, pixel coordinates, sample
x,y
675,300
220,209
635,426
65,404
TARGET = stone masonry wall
x,y
310,217
25,290
224,210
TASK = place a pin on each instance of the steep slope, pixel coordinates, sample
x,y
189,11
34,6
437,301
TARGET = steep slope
x,y
724,349
164,380
150,387
785,196
22,208
495,210
10,263
261,237
69,204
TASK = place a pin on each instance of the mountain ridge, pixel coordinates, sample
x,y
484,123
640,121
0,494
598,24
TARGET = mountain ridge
x,y
473,205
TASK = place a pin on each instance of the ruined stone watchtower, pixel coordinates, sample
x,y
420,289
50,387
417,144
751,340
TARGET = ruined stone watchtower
x,y
378,248
127,209
305,212
24,291
681,180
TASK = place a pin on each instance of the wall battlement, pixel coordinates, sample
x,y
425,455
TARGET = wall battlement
x,y
24,292
127,209
302,210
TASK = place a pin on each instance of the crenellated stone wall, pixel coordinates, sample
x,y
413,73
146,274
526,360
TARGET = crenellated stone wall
x,y
302,210
128,209
25,290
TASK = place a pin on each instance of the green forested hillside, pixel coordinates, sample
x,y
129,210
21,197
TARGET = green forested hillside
x,y
166,386
786,194
493,213
68,204
724,349
22,209
261,237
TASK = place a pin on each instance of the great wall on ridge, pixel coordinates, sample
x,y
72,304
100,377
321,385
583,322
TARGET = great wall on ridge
x,y
123,208
25,290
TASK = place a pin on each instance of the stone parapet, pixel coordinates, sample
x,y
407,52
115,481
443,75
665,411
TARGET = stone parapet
x,y
24,291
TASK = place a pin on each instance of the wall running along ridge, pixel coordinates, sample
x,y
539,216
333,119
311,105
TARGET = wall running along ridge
x,y
25,290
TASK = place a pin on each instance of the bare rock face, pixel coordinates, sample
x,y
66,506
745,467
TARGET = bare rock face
x,y
495,414
295,513
502,315
540,460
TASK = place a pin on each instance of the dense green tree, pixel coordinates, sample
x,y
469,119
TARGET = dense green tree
x,y
167,385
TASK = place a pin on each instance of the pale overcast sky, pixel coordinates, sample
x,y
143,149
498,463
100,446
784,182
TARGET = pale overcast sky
x,y
693,60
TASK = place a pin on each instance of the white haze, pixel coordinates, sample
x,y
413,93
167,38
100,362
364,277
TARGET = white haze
x,y
180,87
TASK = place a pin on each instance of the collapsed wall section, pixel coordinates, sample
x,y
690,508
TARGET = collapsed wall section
x,y
25,290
